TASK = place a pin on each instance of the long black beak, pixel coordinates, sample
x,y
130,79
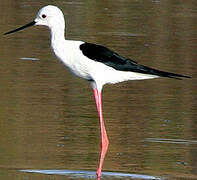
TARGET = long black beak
x,y
20,28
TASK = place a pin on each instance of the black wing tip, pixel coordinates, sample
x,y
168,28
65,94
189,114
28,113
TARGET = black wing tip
x,y
178,76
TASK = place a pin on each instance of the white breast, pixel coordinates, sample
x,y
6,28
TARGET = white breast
x,y
69,53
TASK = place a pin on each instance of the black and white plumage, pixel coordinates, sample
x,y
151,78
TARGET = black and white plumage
x,y
95,63
92,62
110,58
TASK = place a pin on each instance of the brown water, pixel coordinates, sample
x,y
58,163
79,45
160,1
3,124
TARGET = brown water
x,y
48,117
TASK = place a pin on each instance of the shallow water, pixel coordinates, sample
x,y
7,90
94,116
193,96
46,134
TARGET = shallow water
x,y
48,118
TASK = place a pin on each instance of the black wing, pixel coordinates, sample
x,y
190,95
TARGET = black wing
x,y
110,58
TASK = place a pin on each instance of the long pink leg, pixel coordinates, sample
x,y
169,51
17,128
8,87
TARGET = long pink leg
x,y
104,138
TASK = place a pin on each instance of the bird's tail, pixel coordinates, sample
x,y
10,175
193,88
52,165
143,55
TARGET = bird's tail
x,y
163,73
171,75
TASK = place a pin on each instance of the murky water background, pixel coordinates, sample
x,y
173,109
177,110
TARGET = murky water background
x,y
48,117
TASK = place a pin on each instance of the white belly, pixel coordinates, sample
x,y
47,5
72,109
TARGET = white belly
x,y
88,69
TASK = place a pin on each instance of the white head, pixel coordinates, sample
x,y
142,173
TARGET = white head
x,y
50,16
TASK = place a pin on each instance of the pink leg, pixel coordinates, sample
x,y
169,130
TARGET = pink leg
x,y
104,138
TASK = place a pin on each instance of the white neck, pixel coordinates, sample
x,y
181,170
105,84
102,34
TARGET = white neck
x,y
57,35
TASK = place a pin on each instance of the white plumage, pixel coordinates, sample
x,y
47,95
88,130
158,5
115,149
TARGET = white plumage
x,y
68,51
72,57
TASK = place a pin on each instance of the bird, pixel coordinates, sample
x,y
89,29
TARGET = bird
x,y
95,63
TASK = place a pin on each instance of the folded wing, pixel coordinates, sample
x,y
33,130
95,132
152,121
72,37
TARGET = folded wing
x,y
110,58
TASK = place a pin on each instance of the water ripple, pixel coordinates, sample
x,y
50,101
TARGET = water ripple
x,y
90,174
172,141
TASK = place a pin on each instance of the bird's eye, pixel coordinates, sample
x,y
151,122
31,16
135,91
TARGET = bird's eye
x,y
44,16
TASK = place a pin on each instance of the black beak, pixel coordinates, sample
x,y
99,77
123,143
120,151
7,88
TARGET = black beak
x,y
20,28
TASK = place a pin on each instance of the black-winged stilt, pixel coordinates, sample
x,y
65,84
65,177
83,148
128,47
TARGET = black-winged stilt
x,y
95,63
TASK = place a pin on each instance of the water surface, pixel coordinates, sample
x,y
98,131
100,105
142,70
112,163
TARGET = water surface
x,y
48,118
